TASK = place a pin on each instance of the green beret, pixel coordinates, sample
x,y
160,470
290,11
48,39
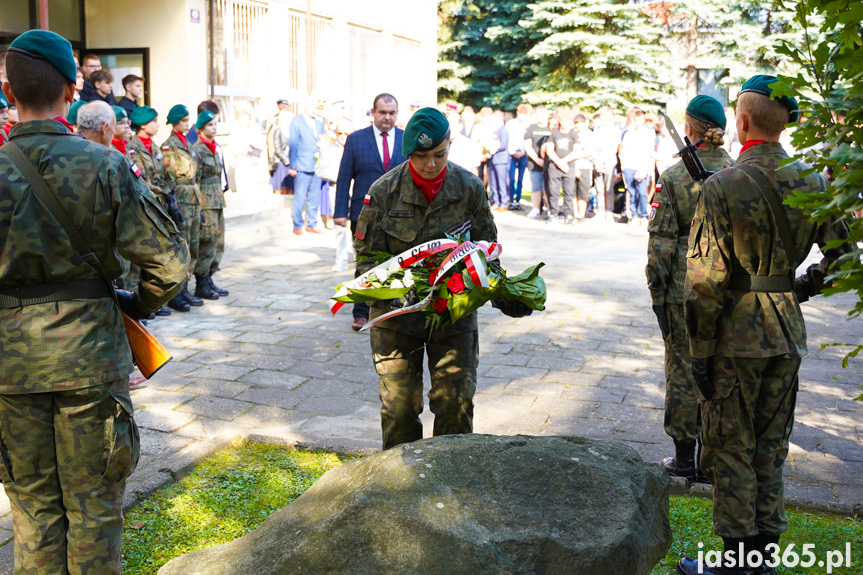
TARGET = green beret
x,y
119,113
50,47
72,116
426,129
177,113
707,109
760,84
204,118
4,103
143,115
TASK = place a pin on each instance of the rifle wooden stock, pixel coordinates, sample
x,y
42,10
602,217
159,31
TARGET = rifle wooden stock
x,y
149,355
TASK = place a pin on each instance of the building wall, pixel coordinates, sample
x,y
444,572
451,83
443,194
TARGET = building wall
x,y
400,38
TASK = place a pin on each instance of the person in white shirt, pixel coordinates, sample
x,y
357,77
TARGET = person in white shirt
x,y
607,139
515,148
637,156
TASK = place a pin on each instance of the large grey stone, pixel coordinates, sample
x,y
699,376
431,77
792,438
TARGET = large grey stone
x,y
464,504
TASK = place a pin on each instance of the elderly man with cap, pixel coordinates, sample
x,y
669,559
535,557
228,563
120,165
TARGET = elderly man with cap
x,y
180,169
421,200
671,213
209,178
746,330
69,438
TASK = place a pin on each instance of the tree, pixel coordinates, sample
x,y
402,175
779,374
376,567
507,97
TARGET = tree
x,y
597,52
829,89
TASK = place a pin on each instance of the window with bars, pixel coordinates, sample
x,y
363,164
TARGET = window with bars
x,y
321,52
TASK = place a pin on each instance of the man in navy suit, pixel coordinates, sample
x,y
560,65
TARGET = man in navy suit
x,y
306,130
369,154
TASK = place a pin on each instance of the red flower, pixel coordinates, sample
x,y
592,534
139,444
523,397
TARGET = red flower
x,y
440,305
455,283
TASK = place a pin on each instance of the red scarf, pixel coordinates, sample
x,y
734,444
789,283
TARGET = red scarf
x,y
6,128
182,138
2,138
65,122
429,188
148,143
211,144
120,145
750,143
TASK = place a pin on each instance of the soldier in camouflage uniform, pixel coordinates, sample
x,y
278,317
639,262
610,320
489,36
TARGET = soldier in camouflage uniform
x,y
145,154
671,215
69,440
746,330
417,202
209,176
180,169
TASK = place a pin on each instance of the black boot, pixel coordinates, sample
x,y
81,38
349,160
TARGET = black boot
x,y
203,289
699,475
163,311
215,288
179,303
761,543
190,299
683,462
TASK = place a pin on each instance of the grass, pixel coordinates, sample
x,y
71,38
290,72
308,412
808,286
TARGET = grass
x,y
692,522
233,491
229,494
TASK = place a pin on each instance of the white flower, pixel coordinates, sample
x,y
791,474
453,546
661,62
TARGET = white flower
x,y
382,274
394,267
396,284
409,278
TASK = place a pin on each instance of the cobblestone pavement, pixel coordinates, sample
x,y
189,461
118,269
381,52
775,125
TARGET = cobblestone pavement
x,y
270,360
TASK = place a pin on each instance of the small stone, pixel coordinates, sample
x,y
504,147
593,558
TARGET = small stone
x,y
428,465
440,505
418,451
422,475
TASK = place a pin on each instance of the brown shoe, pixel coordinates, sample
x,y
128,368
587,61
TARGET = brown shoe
x,y
313,230
298,231
359,323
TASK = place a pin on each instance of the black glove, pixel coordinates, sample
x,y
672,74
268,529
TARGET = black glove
x,y
511,308
409,300
129,304
173,210
662,319
701,368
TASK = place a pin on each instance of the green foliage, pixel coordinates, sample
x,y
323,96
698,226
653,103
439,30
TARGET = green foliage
x,y
231,493
692,522
828,86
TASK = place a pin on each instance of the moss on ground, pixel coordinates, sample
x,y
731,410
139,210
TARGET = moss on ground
x,y
233,491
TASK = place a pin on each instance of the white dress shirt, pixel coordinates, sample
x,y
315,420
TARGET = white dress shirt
x,y
391,137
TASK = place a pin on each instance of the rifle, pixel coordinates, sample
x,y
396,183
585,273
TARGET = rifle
x,y
687,152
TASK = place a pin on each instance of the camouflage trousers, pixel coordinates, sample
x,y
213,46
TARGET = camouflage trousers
x,y
212,242
744,434
682,416
452,363
129,280
190,229
66,457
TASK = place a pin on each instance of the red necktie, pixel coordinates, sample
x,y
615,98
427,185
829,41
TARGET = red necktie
x,y
386,152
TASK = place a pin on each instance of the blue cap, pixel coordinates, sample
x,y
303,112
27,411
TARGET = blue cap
x,y
760,84
50,47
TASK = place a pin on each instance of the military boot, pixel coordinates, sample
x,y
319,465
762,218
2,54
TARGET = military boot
x,y
740,547
203,289
688,566
699,475
683,462
217,289
179,303
761,543
190,299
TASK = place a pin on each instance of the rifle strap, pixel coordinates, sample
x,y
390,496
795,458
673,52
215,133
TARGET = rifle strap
x,y
49,201
779,218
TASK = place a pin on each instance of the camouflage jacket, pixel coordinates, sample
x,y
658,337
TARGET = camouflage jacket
x,y
398,217
672,209
180,169
77,343
152,169
734,233
209,176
